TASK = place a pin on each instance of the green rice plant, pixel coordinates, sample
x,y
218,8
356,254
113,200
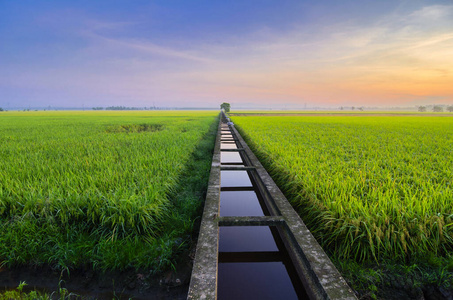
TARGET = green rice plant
x,y
99,188
20,294
368,188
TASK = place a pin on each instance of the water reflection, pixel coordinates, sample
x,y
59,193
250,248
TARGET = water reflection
x,y
234,179
243,203
229,157
228,146
246,238
265,280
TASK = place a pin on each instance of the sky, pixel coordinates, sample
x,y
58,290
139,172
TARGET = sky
x,y
252,54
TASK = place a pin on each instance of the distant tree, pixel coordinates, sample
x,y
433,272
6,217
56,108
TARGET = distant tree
x,y
1,109
450,108
353,108
360,108
225,106
122,108
438,108
98,108
341,108
422,108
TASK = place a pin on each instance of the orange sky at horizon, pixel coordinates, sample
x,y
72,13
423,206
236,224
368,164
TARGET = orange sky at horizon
x,y
377,54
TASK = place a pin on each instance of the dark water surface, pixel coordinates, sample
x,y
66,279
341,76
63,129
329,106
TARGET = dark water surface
x,y
230,157
246,238
234,179
253,264
240,204
257,280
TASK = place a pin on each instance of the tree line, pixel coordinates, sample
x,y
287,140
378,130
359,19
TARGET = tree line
x,y
126,108
435,108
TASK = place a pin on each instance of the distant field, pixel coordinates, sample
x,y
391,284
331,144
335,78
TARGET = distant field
x,y
369,188
339,113
101,189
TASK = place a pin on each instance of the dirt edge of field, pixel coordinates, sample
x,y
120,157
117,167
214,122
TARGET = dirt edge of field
x,y
89,284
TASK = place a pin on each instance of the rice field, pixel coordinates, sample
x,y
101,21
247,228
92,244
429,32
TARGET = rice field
x,y
369,188
108,190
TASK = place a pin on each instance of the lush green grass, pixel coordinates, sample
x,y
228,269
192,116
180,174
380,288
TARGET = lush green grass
x,y
101,189
369,188
376,192
20,294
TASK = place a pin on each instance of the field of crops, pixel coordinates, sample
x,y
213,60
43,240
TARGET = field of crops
x,y
102,189
369,188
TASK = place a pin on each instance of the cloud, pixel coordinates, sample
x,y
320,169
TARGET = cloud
x,y
401,57
134,46
432,13
396,58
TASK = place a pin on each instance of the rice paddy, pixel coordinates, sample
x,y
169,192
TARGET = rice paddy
x,y
108,190
118,190
370,188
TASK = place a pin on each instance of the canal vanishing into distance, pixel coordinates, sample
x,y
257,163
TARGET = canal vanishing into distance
x,y
253,262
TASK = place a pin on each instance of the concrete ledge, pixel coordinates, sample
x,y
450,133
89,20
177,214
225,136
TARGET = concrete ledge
x,y
203,283
237,188
232,168
232,150
251,221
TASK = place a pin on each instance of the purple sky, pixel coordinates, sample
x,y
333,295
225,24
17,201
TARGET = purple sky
x,y
255,54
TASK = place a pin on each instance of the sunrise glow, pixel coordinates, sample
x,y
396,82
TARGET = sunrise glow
x,y
277,54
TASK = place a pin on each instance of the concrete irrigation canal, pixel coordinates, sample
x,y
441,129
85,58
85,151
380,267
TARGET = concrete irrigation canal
x,y
252,244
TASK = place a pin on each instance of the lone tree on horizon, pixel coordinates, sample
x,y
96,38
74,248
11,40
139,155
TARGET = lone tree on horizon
x,y
438,108
225,106
422,108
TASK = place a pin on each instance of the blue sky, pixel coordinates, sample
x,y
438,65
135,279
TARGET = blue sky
x,y
261,54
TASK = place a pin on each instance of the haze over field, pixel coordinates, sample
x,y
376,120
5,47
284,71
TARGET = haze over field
x,y
263,54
